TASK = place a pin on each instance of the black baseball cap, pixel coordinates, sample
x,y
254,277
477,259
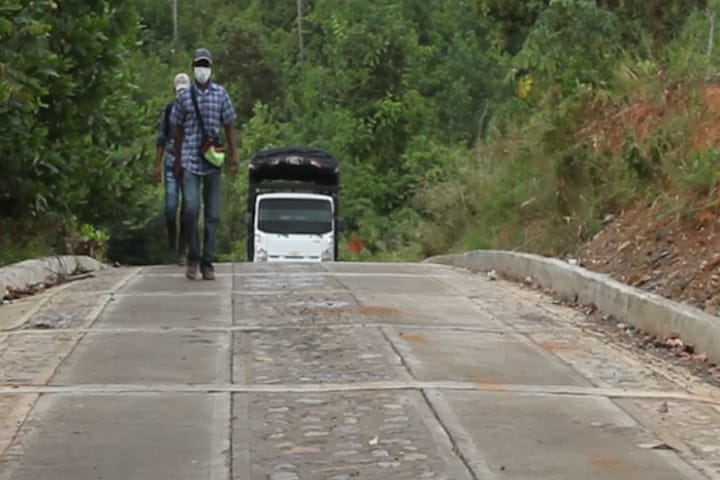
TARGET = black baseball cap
x,y
202,54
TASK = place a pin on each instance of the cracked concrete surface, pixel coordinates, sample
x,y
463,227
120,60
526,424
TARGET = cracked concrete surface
x,y
337,372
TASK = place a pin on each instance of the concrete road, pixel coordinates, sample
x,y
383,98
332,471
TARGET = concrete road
x,y
337,372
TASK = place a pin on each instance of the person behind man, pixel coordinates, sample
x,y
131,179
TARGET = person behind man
x,y
199,176
164,151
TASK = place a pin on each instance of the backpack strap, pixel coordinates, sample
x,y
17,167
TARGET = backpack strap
x,y
166,121
201,124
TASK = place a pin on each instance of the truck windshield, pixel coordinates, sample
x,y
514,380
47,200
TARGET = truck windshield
x,y
294,215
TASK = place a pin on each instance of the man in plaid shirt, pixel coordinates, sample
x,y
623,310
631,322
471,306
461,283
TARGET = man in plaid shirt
x,y
197,174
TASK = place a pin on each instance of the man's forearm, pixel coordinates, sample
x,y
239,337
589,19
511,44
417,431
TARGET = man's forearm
x,y
159,151
232,140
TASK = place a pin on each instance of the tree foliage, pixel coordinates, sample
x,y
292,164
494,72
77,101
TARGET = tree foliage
x,y
410,94
66,87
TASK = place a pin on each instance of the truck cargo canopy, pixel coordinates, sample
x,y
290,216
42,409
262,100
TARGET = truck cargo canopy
x,y
294,164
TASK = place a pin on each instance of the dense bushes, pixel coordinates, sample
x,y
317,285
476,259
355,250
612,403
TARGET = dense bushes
x,y
459,124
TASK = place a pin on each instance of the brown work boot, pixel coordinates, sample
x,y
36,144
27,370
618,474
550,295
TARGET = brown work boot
x,y
208,273
191,271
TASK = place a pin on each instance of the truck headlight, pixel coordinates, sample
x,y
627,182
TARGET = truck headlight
x,y
327,254
261,255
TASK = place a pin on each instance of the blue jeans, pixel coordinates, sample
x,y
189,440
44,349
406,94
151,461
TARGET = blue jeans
x,y
173,190
209,186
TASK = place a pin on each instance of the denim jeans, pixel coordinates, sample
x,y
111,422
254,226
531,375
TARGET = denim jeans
x,y
209,187
173,190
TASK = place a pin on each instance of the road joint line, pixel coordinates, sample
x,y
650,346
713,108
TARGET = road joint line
x,y
264,328
507,389
306,275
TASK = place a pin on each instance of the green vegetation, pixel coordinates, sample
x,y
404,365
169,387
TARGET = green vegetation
x,y
460,124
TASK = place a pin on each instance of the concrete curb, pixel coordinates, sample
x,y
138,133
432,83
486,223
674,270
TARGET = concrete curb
x,y
30,273
647,311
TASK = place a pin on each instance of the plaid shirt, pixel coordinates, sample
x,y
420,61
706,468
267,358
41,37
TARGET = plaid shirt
x,y
216,110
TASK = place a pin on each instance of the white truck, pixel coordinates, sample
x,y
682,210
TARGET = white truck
x,y
293,206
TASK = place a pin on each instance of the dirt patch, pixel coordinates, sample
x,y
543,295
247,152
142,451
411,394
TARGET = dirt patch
x,y
676,257
615,465
671,248
414,337
556,347
708,132
490,386
608,124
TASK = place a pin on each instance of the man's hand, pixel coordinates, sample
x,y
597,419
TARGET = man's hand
x,y
158,174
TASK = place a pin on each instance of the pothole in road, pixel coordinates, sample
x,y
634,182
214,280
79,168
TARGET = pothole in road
x,y
414,337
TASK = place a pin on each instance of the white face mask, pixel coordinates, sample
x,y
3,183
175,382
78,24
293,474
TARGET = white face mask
x,y
202,74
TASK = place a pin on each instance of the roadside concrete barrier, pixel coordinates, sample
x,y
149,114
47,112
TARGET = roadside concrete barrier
x,y
647,311
26,275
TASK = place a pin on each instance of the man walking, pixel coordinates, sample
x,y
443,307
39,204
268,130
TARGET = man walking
x,y
199,114
164,151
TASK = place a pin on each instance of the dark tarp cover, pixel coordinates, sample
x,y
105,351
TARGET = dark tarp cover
x,y
295,163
